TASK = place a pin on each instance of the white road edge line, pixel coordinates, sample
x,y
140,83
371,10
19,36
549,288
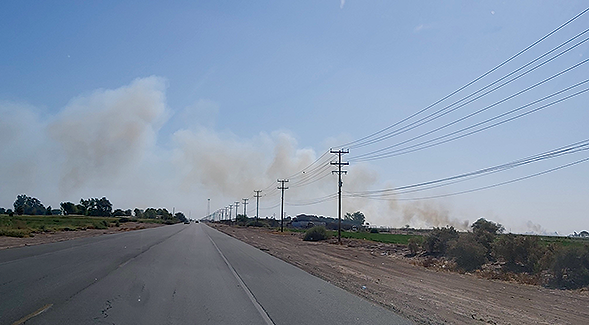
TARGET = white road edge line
x,y
259,307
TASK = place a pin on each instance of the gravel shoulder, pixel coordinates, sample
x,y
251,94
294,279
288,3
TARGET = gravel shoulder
x,y
52,237
380,273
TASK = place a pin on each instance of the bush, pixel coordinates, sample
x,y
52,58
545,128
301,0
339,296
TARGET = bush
x,y
373,231
570,268
413,245
316,233
485,233
436,243
15,232
100,224
520,253
254,223
468,253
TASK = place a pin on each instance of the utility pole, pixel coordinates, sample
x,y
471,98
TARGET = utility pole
x,y
282,187
257,196
230,211
208,207
339,172
236,206
245,207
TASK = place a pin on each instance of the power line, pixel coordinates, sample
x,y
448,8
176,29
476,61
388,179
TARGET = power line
x,y
499,184
565,150
421,146
448,108
350,144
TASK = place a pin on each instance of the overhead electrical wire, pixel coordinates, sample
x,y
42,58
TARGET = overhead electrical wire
x,y
421,146
370,136
564,150
312,201
447,109
498,184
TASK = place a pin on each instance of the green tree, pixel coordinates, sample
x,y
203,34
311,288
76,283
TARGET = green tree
x,y
485,233
118,213
48,211
436,243
357,218
28,205
68,208
180,216
138,213
150,213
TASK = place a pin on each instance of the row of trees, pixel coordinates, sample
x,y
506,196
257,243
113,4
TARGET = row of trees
x,y
89,207
566,267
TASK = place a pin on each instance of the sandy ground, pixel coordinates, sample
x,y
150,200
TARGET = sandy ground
x,y
381,273
51,237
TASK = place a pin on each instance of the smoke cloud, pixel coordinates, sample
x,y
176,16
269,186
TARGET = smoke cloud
x,y
105,134
105,143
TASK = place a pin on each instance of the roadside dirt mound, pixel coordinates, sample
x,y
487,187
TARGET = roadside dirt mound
x,y
381,273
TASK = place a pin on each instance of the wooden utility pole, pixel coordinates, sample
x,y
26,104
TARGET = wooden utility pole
x,y
244,207
236,206
339,172
282,187
257,196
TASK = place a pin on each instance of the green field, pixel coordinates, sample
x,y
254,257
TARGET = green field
x,y
379,237
564,241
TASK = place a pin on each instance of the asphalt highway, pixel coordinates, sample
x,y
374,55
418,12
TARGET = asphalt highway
x,y
180,274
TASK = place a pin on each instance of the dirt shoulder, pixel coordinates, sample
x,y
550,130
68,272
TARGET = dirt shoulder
x,y
380,273
51,237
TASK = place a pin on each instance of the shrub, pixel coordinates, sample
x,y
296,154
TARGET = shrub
x,y
468,253
436,243
100,224
570,268
316,233
124,219
520,253
254,223
413,245
373,231
15,232
485,233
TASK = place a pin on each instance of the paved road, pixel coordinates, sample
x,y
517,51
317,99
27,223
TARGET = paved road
x,y
181,274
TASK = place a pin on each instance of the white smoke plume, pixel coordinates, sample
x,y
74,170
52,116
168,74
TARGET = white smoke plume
x,y
106,144
427,214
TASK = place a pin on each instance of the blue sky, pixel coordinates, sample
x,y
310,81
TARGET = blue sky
x,y
207,96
